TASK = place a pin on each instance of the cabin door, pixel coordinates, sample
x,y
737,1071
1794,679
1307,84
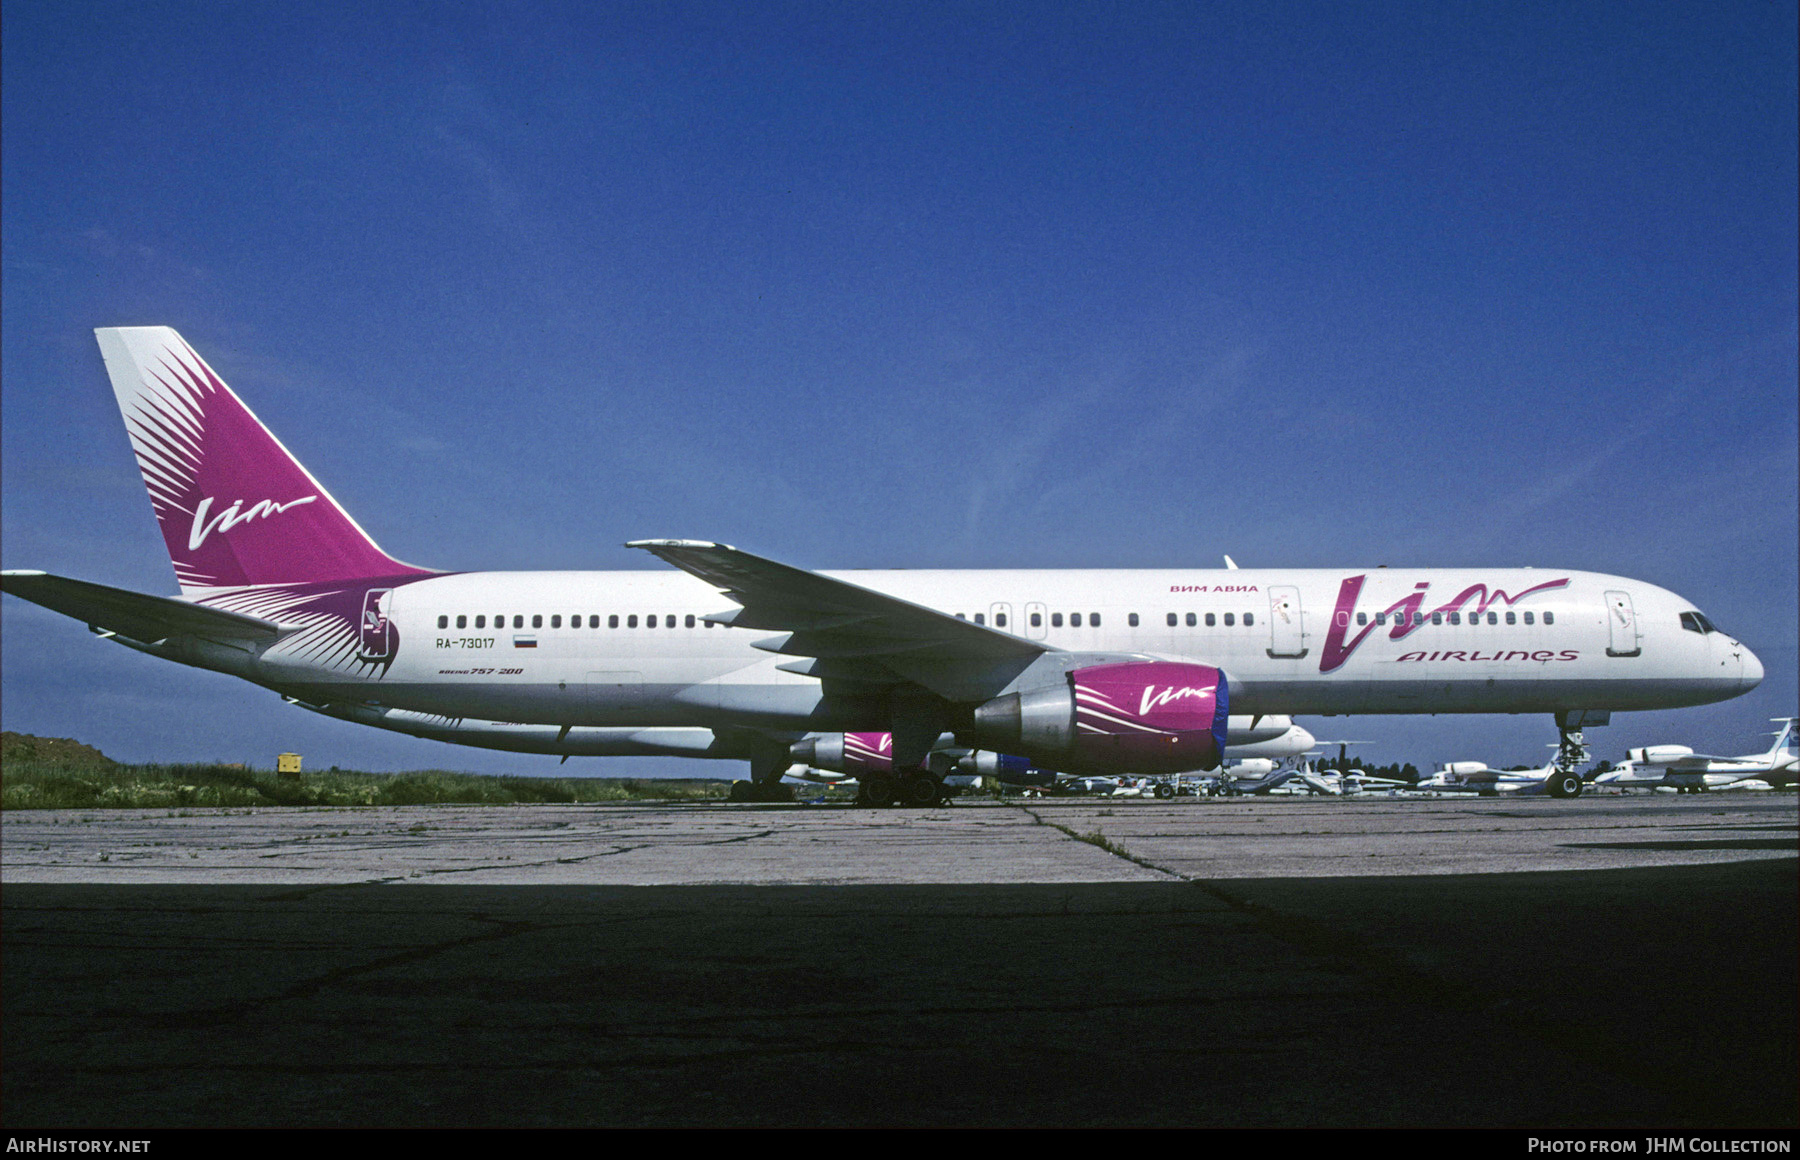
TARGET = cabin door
x,y
1621,623
1286,635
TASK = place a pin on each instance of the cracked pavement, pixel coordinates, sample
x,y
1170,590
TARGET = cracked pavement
x,y
761,966
1044,841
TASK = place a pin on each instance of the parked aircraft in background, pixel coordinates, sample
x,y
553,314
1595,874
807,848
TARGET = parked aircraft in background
x,y
869,757
1680,768
1342,779
1254,776
1340,782
1356,781
1477,777
1274,736
1086,671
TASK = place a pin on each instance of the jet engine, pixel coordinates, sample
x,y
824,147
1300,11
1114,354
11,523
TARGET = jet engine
x,y
1135,716
1462,768
851,753
1005,768
864,754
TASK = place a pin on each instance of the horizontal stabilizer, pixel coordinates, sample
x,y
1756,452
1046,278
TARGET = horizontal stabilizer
x,y
134,614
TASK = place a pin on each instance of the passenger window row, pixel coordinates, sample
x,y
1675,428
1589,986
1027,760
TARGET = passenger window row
x,y
1442,618
1056,620
1076,619
1092,619
1193,620
1692,621
556,621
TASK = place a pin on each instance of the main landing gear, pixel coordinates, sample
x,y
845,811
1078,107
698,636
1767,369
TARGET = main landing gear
x,y
765,784
919,788
756,791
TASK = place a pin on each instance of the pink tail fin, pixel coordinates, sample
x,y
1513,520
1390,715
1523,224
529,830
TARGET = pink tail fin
x,y
234,506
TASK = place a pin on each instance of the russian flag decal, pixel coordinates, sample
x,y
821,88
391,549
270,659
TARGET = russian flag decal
x,y
527,641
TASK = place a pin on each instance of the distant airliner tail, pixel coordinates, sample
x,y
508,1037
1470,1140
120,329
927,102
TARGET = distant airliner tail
x,y
235,507
1784,738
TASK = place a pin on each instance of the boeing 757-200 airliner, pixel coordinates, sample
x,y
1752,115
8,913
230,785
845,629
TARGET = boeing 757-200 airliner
x,y
736,656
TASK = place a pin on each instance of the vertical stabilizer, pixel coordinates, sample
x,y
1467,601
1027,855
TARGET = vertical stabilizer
x,y
1783,740
234,506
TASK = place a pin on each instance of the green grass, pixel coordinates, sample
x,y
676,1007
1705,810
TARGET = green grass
x,y
35,784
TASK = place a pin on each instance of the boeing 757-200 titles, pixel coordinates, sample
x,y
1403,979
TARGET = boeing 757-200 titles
x,y
736,656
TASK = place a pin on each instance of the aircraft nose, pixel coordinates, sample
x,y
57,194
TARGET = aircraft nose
x,y
1753,670
1305,738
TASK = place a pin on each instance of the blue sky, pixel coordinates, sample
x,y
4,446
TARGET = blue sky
x,y
939,285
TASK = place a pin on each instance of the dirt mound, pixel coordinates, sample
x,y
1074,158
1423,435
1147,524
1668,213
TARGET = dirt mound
x,y
57,751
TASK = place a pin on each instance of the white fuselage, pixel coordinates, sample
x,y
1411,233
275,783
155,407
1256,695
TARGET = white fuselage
x,y
1291,641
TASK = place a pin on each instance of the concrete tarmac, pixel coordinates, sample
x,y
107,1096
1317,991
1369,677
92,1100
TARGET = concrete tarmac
x,y
1624,962
1127,840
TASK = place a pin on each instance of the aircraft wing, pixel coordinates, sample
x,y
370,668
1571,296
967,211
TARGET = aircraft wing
x,y
850,632
134,614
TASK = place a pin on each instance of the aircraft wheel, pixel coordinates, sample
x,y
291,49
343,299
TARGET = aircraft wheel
x,y
920,791
742,791
1565,785
880,790
1164,790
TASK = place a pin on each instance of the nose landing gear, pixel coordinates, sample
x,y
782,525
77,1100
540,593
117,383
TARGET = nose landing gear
x,y
1571,751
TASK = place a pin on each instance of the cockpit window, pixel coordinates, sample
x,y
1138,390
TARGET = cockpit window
x,y
1697,622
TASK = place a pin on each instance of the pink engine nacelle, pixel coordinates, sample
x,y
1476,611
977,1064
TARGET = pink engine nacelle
x,y
1131,717
850,753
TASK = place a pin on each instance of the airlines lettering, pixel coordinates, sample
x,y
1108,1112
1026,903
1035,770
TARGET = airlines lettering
x,y
1153,699
1540,655
1214,588
1404,611
231,517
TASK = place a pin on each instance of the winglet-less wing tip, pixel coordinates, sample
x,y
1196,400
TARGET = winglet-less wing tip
x,y
654,544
